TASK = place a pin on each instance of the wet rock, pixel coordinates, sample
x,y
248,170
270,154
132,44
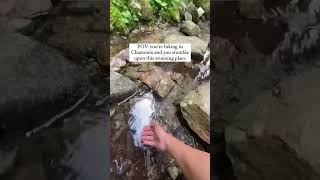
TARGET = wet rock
x,y
77,44
177,77
119,60
198,47
37,82
14,24
120,86
174,172
195,108
278,136
7,159
188,64
132,72
190,28
31,8
159,81
252,9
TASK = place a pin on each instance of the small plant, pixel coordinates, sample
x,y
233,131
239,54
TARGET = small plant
x,y
122,18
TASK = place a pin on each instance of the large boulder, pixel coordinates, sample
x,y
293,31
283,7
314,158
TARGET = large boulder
x,y
158,80
36,82
195,108
190,28
77,44
276,137
198,46
120,87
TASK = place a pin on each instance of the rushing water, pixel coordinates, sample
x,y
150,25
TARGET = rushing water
x,y
141,115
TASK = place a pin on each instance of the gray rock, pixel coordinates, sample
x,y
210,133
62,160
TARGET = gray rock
x,y
120,87
192,9
174,172
190,28
198,46
32,8
195,108
279,136
187,16
37,82
132,72
14,24
77,44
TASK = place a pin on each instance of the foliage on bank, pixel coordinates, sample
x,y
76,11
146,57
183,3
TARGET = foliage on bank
x,y
125,14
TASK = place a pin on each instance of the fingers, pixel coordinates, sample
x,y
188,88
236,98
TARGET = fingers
x,y
147,128
147,133
147,138
149,143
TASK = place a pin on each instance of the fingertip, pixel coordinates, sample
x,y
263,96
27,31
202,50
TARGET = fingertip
x,y
146,142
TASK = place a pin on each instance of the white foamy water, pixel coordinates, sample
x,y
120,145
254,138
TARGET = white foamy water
x,y
204,68
141,115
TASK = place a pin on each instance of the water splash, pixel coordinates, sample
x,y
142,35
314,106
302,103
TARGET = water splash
x,y
142,114
204,68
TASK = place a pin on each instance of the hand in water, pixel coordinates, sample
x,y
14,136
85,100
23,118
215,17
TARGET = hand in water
x,y
155,136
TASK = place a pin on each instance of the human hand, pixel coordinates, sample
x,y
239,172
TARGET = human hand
x,y
155,136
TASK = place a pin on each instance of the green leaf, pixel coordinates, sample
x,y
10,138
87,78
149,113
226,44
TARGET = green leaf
x,y
162,3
